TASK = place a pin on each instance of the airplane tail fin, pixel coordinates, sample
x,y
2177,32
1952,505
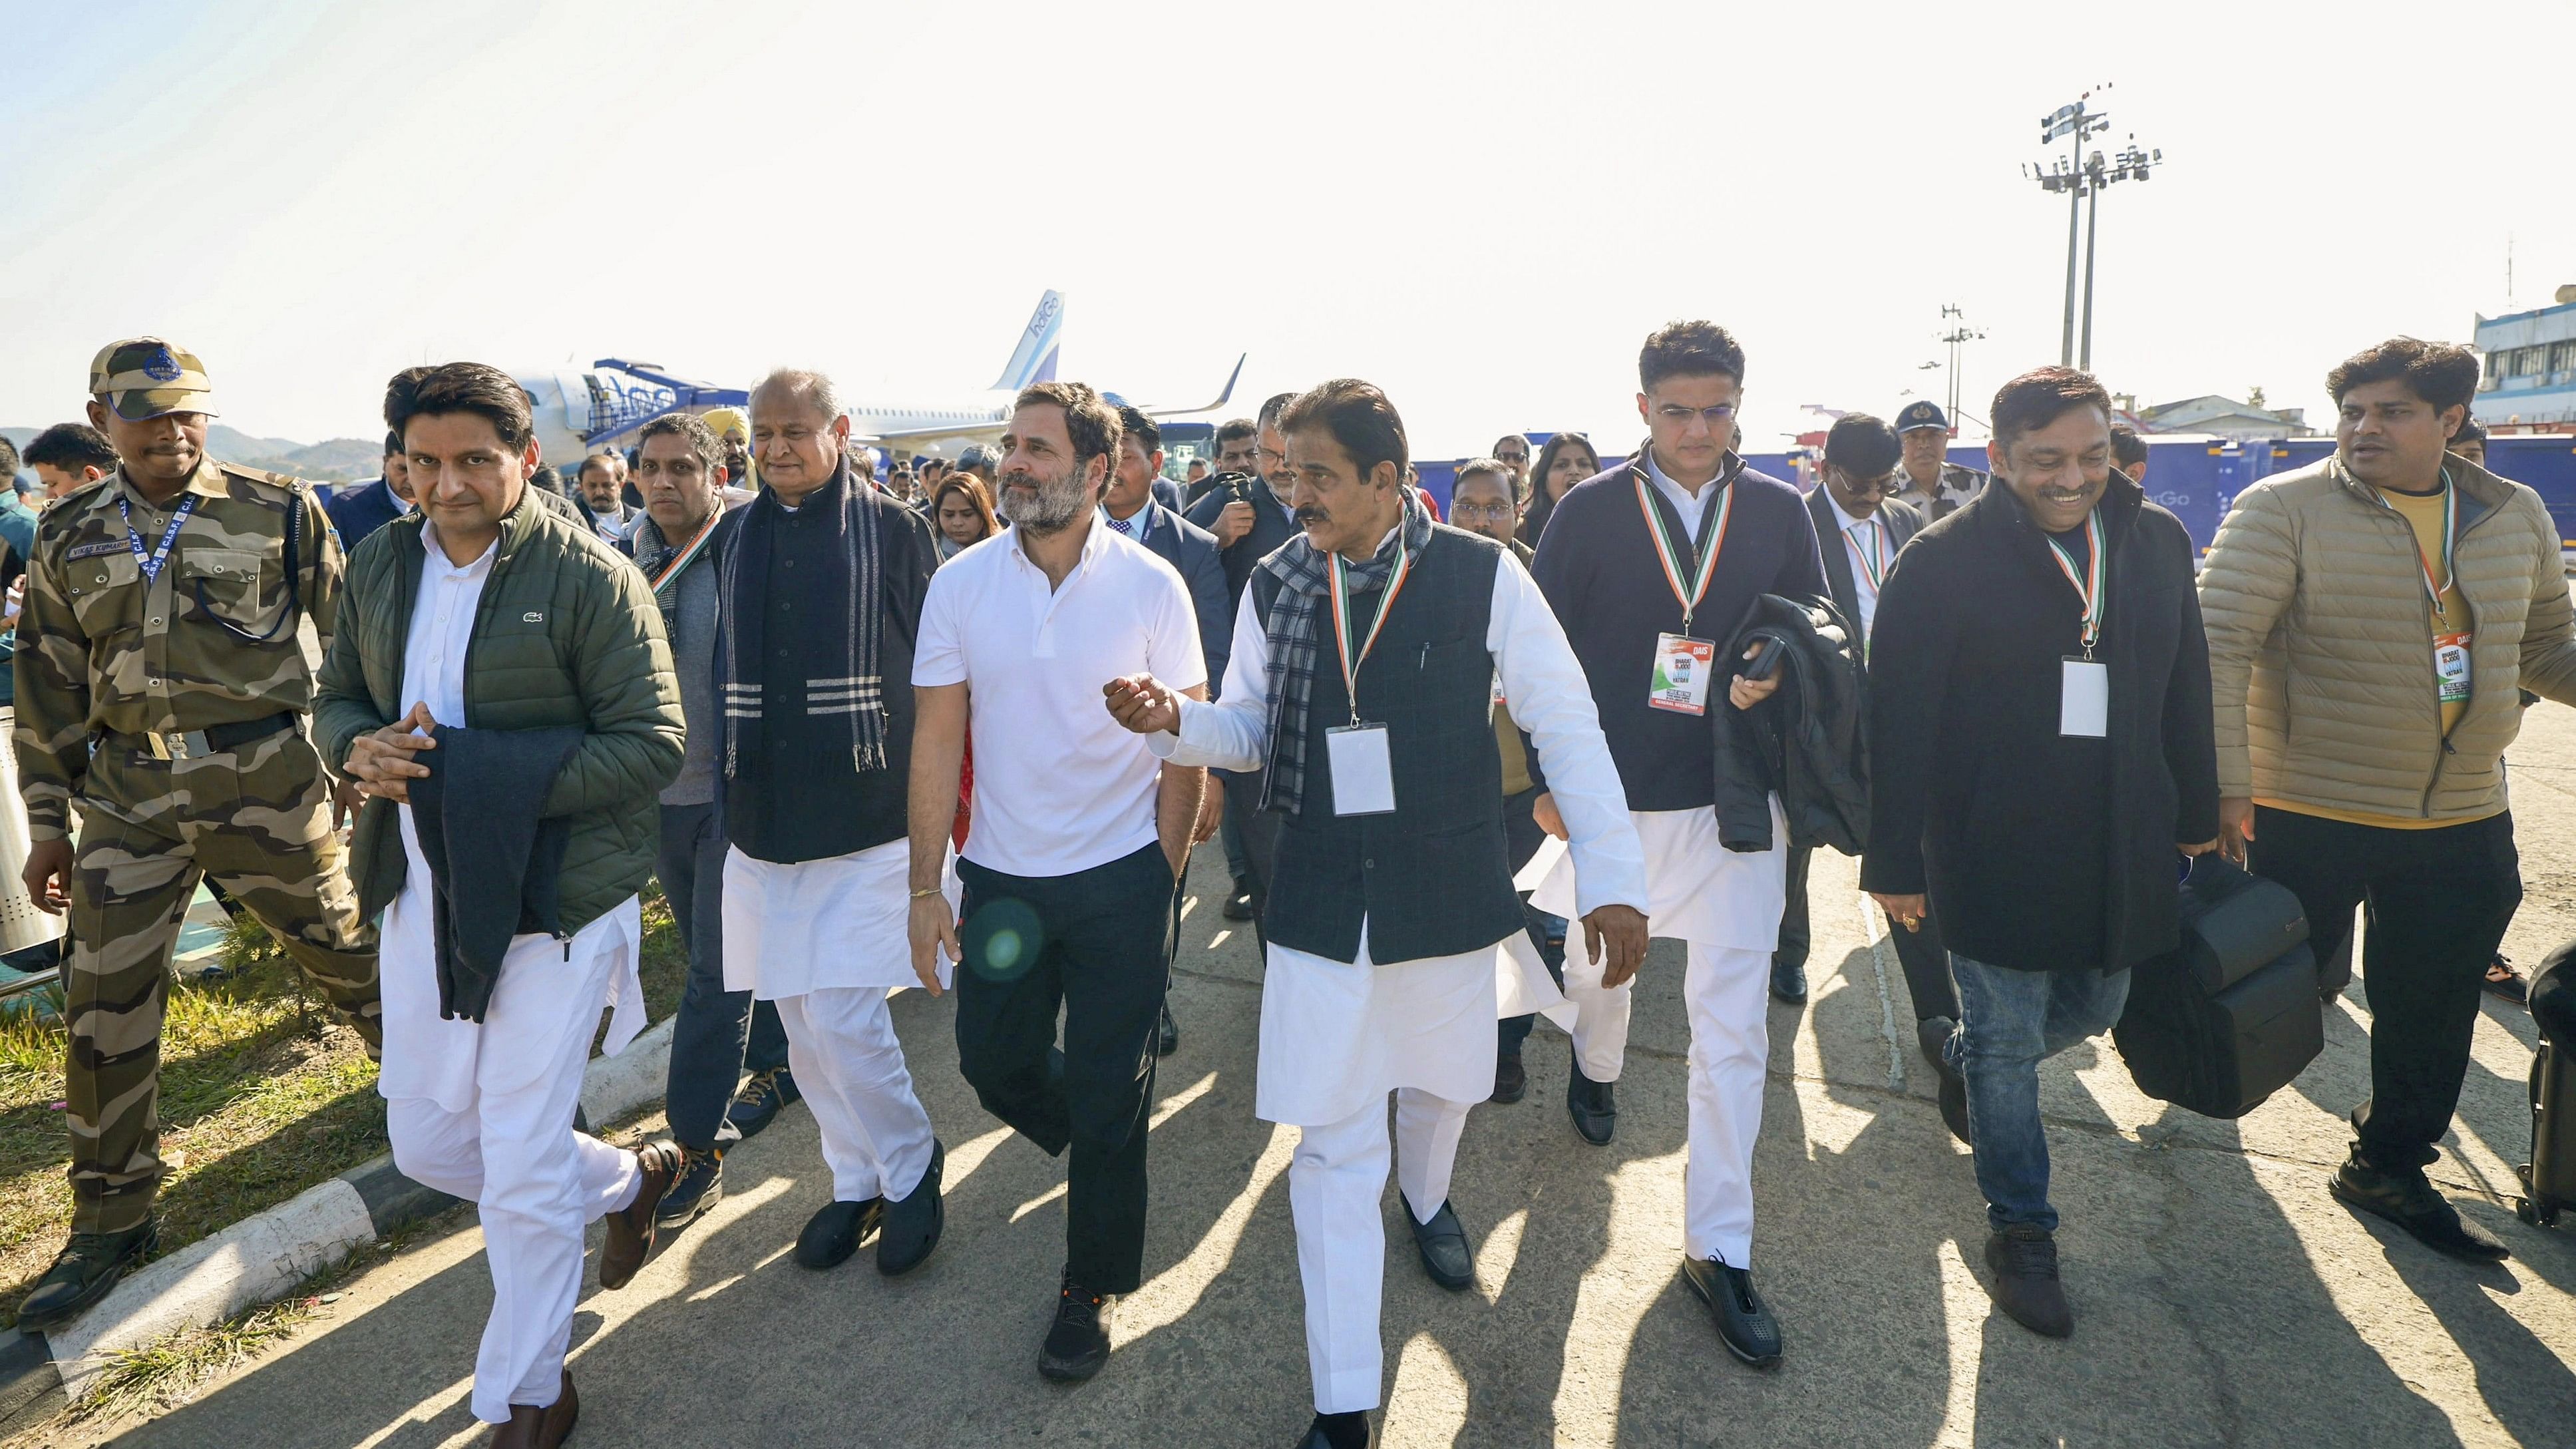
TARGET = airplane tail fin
x,y
1035,358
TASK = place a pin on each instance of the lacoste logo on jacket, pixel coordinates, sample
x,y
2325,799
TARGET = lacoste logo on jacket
x,y
533,616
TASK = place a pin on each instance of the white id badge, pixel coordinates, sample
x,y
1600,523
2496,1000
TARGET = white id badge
x,y
1684,669
2083,698
1363,775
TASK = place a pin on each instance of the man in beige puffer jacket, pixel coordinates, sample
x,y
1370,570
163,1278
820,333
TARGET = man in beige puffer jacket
x,y
2370,621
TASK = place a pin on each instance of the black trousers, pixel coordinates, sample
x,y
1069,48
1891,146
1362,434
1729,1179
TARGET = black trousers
x,y
1096,945
1521,837
715,1033
2438,902
1925,961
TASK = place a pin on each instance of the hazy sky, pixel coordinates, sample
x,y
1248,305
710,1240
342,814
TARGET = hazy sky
x,y
1481,208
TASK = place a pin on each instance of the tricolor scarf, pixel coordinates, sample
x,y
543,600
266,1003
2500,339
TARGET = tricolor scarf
x,y
1298,618
842,613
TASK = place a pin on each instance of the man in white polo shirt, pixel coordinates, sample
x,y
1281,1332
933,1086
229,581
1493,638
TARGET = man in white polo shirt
x,y
1076,835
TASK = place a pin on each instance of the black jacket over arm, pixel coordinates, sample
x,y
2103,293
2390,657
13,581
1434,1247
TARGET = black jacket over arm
x,y
2039,852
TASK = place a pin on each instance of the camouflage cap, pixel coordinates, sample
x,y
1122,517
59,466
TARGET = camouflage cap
x,y
145,377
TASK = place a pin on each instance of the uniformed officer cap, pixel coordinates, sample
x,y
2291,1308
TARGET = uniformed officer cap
x,y
1924,414
146,377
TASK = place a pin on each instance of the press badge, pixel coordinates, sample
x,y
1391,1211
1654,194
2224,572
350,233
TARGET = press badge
x,y
1683,670
1363,775
2083,698
2451,666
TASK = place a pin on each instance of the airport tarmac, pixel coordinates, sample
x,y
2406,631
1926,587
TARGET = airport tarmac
x,y
2222,1296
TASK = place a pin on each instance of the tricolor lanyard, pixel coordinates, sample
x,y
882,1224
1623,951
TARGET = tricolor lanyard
x,y
688,551
1872,560
154,561
1351,661
1669,554
2450,529
2088,579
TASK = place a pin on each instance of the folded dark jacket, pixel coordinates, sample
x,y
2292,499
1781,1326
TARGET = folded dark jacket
x,y
1806,742
494,866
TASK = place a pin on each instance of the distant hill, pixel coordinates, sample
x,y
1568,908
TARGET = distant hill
x,y
339,460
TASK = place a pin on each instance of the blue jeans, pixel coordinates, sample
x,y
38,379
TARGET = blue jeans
x,y
2009,1022
717,1032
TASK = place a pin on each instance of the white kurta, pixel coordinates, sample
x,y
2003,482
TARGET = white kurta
x,y
818,925
1334,1034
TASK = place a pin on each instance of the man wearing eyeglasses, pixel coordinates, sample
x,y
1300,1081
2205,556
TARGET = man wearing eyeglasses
x,y
1650,565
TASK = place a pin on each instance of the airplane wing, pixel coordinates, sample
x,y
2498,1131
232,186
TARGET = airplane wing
x,y
1221,398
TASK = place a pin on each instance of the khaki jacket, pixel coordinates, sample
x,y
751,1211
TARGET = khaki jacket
x,y
2321,653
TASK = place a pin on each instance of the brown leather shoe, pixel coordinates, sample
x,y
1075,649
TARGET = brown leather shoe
x,y
534,1428
630,1229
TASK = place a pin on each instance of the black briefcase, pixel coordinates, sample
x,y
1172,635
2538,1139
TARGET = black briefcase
x,y
2549,1179
2231,1015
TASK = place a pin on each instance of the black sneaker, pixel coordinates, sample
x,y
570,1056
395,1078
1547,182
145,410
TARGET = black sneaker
x,y
1238,906
2024,1260
698,1187
1341,1431
1167,1036
1078,1344
761,1100
911,1225
1511,1079
2409,1200
87,1267
1744,1321
1954,1103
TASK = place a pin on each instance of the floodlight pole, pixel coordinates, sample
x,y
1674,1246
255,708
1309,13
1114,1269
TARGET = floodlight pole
x,y
2092,234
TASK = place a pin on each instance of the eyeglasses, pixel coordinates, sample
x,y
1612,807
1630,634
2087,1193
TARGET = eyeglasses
x,y
1676,413
1269,459
1461,512
1511,457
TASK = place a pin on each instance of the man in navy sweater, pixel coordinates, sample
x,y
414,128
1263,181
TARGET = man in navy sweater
x,y
1651,566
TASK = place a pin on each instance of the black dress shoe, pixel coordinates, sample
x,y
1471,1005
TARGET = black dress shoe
x,y
1341,1431
1078,1344
910,1228
1443,1243
1594,1109
698,1187
1167,1037
1932,1038
833,1234
2410,1201
1789,981
83,1272
1511,1079
1238,906
761,1100
1744,1321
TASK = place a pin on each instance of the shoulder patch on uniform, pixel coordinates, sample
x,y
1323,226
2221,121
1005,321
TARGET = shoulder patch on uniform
x,y
286,481
93,550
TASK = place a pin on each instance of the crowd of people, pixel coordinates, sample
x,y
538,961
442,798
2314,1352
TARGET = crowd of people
x,y
955,727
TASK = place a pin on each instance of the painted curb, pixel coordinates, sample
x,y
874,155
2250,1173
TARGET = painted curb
x,y
266,1254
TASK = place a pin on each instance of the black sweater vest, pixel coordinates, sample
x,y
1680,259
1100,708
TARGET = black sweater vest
x,y
1433,878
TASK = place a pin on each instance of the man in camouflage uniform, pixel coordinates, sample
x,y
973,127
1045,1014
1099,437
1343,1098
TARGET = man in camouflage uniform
x,y
163,680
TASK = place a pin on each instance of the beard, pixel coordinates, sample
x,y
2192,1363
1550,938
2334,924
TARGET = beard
x,y
1054,504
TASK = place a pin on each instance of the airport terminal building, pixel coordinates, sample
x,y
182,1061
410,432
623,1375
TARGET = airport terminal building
x,y
2530,374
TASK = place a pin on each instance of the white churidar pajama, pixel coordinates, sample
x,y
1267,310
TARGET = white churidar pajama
x,y
827,940
1724,906
484,1112
1338,1036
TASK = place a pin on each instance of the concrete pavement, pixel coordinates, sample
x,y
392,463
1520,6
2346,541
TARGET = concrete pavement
x,y
2222,1296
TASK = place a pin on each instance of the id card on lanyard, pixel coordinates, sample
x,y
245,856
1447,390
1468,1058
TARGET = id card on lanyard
x,y
152,561
2450,640
1363,771
1685,667
2083,682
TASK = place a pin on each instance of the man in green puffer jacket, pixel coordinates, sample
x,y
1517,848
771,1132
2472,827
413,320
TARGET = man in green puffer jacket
x,y
490,611
2371,621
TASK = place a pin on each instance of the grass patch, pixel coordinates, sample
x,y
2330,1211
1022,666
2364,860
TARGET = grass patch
x,y
263,1094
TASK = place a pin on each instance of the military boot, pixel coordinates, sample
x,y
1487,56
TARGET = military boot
x,y
83,1271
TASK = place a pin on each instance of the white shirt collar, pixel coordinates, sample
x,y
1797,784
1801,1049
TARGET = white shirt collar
x,y
439,562
1092,543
